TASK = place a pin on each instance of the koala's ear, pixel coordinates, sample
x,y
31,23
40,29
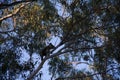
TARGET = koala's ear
x,y
51,45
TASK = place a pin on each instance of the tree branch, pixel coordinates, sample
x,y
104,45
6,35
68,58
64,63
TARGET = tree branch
x,y
3,5
78,62
15,12
43,61
54,55
81,77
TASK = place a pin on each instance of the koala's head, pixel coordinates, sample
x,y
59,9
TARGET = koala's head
x,y
51,46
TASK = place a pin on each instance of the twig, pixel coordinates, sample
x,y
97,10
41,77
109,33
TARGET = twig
x,y
3,5
80,77
14,13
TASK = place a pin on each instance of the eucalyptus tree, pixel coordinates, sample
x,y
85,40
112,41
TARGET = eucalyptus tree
x,y
88,31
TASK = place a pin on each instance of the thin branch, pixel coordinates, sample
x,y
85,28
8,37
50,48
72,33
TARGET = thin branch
x,y
59,53
79,62
81,77
3,5
14,13
37,70
5,32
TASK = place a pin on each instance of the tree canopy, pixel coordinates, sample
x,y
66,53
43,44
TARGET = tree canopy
x,y
88,33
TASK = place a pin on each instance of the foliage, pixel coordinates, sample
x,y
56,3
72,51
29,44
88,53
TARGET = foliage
x,y
89,34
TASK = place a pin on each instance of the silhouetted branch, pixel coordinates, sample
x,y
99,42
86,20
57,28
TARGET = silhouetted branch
x,y
54,55
3,5
41,64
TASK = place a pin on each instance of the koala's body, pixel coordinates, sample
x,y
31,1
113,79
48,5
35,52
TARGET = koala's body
x,y
46,50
